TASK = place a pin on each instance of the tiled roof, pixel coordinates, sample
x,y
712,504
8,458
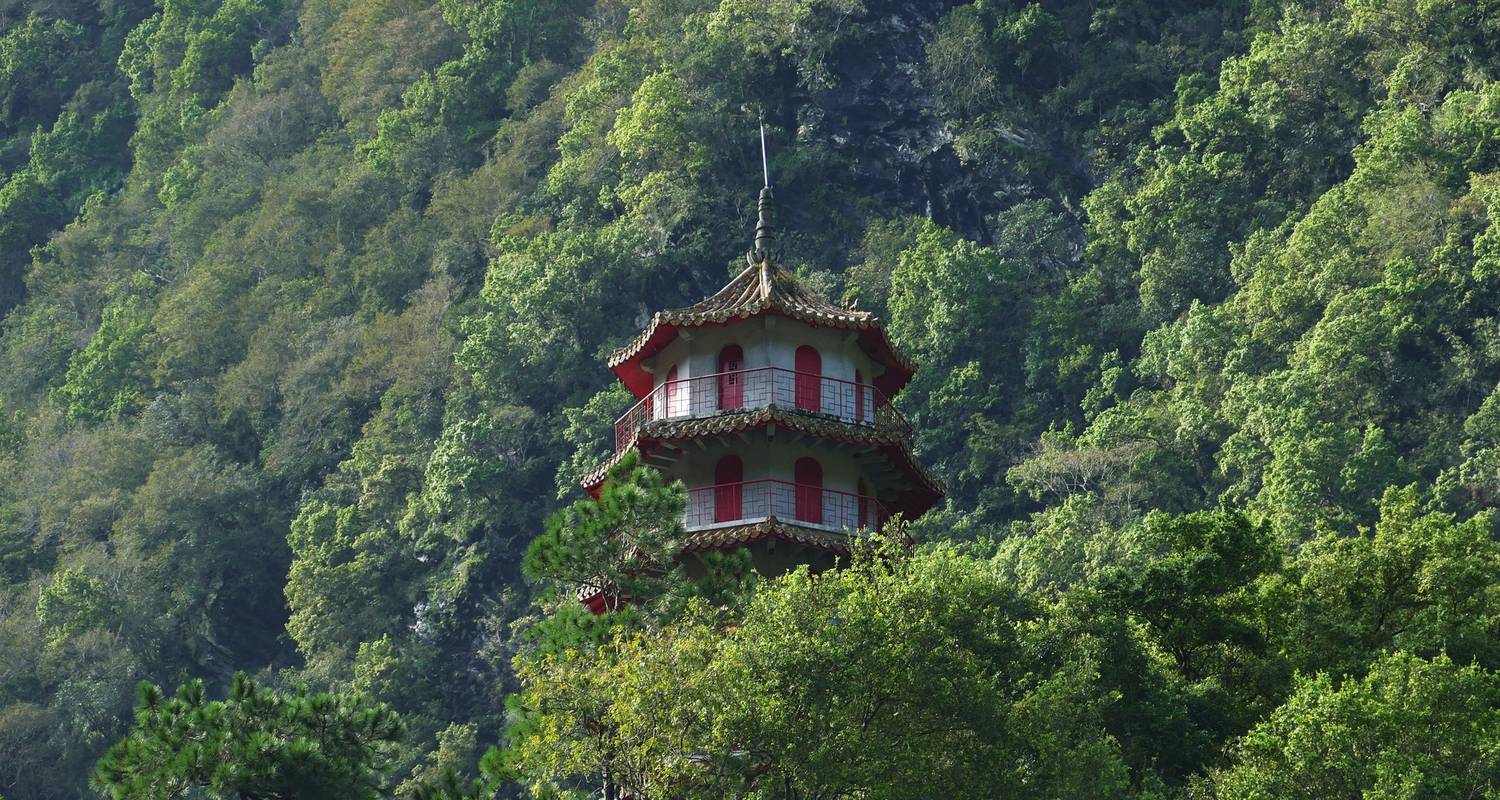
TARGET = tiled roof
x,y
731,536
800,421
771,527
765,285
795,419
761,287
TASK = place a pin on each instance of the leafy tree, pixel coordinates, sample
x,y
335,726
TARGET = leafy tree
x,y
1410,728
1191,590
104,378
944,291
1194,589
892,677
334,586
75,602
1417,583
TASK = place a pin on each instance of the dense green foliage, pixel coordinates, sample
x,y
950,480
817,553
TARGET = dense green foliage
x,y
302,309
921,677
256,743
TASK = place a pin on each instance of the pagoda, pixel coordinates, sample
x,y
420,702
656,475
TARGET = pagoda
x,y
772,405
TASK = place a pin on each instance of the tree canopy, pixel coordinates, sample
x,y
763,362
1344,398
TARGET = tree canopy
x,y
303,312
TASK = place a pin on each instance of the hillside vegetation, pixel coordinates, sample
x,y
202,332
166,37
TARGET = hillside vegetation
x,y
303,309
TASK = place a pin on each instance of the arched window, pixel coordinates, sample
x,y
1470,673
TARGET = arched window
x,y
731,377
808,476
859,403
729,475
809,379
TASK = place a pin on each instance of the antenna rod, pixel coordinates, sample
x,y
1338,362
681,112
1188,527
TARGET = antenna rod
x,y
765,164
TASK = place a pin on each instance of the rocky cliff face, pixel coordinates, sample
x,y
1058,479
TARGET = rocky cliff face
x,y
870,106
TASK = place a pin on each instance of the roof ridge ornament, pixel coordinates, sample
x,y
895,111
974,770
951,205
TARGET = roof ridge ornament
x,y
765,230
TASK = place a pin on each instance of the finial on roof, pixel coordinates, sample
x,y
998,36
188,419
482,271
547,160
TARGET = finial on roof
x,y
764,230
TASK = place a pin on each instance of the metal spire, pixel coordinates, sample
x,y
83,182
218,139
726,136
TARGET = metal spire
x,y
765,163
764,230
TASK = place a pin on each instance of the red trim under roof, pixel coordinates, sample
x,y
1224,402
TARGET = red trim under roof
x,y
872,340
913,502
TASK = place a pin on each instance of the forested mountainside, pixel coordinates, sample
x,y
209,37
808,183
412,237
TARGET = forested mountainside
x,y
305,304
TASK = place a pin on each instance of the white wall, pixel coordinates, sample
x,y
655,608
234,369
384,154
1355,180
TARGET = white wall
x,y
767,341
772,458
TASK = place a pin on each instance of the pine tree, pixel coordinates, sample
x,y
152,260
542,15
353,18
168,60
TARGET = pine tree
x,y
257,743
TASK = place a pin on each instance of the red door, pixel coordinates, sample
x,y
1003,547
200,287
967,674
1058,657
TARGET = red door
x,y
731,378
728,488
809,379
668,396
808,476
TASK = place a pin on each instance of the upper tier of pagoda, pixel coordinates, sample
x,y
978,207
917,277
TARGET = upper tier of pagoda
x,y
762,288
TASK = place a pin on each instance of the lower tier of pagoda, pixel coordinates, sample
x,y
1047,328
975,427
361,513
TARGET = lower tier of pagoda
x,y
773,446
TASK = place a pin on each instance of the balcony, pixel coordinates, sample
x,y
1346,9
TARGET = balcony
x,y
753,501
749,389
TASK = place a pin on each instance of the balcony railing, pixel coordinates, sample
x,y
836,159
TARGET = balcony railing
x,y
730,392
752,501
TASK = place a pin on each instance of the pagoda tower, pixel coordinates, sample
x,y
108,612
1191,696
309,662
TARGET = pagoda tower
x,y
772,405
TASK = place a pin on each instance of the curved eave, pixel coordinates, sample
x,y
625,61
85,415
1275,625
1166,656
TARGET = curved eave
x,y
628,366
730,537
627,362
595,598
926,489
